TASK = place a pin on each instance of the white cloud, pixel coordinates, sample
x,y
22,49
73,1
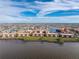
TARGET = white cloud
x,y
48,7
9,14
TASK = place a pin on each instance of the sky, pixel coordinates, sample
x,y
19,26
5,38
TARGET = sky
x,y
39,11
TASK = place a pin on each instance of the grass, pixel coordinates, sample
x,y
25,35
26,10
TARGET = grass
x,y
71,39
49,39
59,40
37,38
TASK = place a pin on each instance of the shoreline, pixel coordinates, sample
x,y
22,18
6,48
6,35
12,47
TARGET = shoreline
x,y
44,39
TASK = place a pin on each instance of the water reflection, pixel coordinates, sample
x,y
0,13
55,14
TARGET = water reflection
x,y
16,49
20,41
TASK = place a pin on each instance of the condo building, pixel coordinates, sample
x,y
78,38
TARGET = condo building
x,y
41,30
32,31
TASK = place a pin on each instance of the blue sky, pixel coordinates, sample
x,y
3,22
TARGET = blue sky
x,y
39,11
32,0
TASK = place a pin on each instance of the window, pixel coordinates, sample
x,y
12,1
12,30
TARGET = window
x,y
49,35
53,35
60,35
25,34
10,35
70,36
38,31
35,34
44,32
31,35
6,35
65,36
39,34
21,34
44,35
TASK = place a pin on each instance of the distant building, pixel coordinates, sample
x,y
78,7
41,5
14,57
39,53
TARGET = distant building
x,y
12,31
38,32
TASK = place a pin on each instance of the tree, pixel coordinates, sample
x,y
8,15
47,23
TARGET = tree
x,y
60,41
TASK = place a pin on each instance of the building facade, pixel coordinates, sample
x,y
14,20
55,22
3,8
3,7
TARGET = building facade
x,y
38,32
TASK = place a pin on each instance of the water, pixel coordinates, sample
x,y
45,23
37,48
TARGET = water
x,y
16,49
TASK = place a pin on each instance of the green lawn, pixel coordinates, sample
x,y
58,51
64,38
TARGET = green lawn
x,y
71,39
37,38
49,39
